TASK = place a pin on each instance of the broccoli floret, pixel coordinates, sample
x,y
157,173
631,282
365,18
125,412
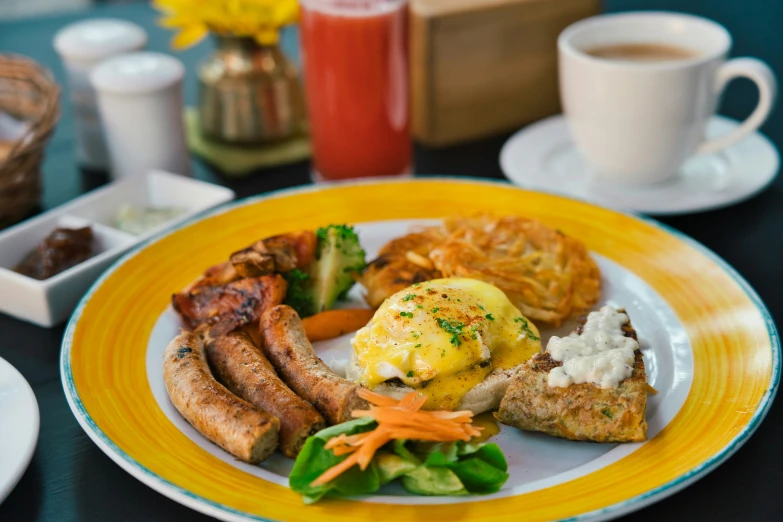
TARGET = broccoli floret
x,y
338,256
299,295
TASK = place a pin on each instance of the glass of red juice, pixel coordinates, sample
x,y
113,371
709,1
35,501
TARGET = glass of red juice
x,y
355,55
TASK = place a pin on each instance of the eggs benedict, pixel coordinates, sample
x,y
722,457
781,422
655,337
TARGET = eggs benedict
x,y
455,340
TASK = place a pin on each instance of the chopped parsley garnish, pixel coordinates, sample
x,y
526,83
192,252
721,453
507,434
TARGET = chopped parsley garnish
x,y
416,285
443,353
409,315
418,346
452,328
434,310
459,300
608,413
525,329
415,335
419,307
455,329
490,317
473,336
410,374
408,297
480,307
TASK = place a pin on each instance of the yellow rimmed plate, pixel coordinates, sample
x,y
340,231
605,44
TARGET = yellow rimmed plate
x,y
710,347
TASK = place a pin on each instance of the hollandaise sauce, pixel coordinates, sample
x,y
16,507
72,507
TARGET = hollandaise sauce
x,y
442,338
488,424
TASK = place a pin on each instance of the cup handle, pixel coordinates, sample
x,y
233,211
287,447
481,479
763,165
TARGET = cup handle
x,y
764,79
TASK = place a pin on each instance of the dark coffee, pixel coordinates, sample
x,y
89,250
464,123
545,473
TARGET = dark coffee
x,y
642,52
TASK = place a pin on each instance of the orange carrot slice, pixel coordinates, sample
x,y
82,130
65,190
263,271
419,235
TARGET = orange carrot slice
x,y
334,323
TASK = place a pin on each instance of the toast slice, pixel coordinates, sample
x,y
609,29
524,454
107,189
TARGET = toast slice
x,y
580,411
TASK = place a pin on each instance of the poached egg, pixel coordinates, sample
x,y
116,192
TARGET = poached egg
x,y
442,338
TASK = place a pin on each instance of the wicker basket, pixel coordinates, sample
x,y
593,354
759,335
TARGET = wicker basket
x,y
28,93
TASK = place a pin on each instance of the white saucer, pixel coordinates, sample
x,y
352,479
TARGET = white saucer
x,y
18,426
543,156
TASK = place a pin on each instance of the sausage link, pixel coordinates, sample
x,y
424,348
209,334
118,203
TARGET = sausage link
x,y
286,346
244,370
230,422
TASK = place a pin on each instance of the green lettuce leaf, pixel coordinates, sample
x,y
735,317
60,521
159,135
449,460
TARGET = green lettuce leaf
x,y
480,468
442,454
424,468
492,454
314,459
405,453
433,481
391,466
478,476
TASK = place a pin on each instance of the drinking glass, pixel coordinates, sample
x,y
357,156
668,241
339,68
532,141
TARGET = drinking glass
x,y
355,55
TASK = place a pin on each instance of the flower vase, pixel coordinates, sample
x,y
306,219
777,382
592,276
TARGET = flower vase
x,y
249,93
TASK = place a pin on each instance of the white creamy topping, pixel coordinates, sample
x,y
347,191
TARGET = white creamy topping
x,y
600,355
485,352
388,370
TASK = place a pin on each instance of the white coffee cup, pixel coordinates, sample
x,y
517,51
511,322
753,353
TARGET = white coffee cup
x,y
636,122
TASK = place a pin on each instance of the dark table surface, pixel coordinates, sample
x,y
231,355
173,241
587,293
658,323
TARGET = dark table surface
x,y
70,479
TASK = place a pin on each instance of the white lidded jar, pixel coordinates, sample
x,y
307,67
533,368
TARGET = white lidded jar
x,y
140,103
81,46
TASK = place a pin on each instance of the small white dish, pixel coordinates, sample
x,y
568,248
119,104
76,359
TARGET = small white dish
x,y
51,301
543,156
19,422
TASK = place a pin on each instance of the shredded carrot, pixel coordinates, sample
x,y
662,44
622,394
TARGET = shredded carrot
x,y
371,444
344,439
344,450
376,398
412,402
336,470
396,419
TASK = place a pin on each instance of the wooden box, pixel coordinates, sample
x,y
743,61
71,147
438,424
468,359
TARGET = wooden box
x,y
480,67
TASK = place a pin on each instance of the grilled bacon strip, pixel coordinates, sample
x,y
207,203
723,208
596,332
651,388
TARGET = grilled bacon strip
x,y
227,307
280,253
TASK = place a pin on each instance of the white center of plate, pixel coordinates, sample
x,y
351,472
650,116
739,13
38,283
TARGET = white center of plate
x,y
535,460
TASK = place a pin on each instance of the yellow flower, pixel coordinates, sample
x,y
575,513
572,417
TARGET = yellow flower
x,y
261,19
